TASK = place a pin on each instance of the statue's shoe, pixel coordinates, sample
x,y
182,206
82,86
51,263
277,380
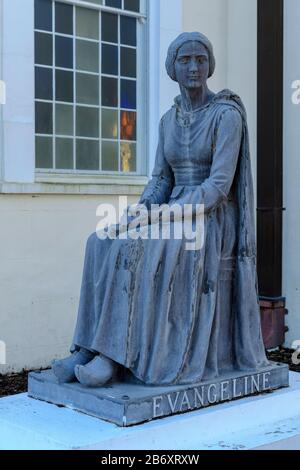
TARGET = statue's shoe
x,y
97,372
63,369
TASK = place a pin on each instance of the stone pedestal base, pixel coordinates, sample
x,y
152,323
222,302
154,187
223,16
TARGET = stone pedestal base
x,y
126,404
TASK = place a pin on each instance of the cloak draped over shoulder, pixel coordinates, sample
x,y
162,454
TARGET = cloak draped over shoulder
x,y
171,315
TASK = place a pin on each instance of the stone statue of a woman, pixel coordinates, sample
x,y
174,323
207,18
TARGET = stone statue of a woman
x,y
171,315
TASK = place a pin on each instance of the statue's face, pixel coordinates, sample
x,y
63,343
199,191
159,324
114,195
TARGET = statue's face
x,y
192,65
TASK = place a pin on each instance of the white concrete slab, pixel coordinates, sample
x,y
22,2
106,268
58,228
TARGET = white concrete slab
x,y
244,424
291,443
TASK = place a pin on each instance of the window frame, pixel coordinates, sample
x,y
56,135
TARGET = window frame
x,y
142,147
17,160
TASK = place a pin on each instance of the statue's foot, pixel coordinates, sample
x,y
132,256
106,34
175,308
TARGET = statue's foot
x,y
97,372
63,369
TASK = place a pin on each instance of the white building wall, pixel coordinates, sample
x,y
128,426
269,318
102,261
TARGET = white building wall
x,y
291,175
169,31
164,28
235,43
44,225
210,18
42,242
18,74
231,25
242,64
42,236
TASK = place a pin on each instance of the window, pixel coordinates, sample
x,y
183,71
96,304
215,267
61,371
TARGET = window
x,y
89,106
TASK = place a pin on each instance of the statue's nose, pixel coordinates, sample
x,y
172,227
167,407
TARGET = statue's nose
x,y
193,66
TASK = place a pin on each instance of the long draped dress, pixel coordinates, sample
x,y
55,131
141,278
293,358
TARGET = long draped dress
x,y
168,314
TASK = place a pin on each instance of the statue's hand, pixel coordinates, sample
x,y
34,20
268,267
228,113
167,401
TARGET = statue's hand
x,y
136,213
178,212
113,231
172,213
141,219
135,210
124,218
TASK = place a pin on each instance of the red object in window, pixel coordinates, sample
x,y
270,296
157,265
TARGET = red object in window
x,y
128,125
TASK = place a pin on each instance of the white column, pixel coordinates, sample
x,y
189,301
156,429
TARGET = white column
x,y
18,74
291,171
165,24
153,79
210,18
242,64
1,105
231,25
171,18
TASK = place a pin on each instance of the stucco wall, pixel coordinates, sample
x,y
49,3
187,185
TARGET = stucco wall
x,y
210,18
291,220
42,241
42,237
231,25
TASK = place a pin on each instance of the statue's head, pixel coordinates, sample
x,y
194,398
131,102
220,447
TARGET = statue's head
x,y
190,60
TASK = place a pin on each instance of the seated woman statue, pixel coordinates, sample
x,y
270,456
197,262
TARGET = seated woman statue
x,y
164,314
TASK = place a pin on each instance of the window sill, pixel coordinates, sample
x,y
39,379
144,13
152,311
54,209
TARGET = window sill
x,y
80,185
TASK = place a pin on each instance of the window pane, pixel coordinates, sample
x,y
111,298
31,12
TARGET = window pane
x,y
128,157
64,119
110,156
87,56
81,119
43,15
109,59
87,89
128,94
133,5
128,125
43,49
64,154
64,86
87,122
110,124
87,154
109,27
43,83
110,92
128,62
128,31
43,152
87,23
114,3
63,18
43,118
64,52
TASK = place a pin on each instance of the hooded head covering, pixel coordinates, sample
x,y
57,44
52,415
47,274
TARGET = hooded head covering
x,y
176,45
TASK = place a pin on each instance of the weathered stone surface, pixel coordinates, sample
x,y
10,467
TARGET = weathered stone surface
x,y
126,403
177,305
173,313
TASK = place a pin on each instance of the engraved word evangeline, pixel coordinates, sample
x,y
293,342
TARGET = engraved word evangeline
x,y
210,394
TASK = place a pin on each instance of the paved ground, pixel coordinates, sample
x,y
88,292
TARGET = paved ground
x,y
293,443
